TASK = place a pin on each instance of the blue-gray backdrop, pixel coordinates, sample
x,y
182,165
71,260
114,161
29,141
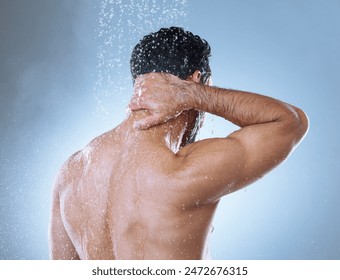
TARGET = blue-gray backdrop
x,y
64,79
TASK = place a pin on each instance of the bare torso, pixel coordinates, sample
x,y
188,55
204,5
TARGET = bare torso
x,y
135,194
121,200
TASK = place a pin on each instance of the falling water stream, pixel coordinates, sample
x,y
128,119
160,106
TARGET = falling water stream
x,y
121,24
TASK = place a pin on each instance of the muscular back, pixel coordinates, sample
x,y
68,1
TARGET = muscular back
x,y
131,195
120,199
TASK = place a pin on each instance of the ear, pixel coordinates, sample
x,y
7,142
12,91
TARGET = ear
x,y
195,77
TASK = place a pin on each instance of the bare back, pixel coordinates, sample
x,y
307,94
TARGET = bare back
x,y
134,194
121,200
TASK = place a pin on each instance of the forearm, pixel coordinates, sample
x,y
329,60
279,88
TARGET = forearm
x,y
241,108
165,96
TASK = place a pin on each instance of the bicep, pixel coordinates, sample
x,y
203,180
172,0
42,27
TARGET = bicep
x,y
61,247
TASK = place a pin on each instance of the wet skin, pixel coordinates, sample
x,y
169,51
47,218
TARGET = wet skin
x,y
141,191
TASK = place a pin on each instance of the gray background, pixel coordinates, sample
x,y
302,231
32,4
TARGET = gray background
x,y
64,79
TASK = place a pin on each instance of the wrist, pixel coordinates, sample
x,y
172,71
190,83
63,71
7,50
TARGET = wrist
x,y
198,95
192,95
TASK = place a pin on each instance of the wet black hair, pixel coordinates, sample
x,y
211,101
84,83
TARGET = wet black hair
x,y
171,50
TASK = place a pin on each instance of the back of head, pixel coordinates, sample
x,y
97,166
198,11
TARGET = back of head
x,y
171,50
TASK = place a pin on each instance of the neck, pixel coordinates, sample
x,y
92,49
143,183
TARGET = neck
x,y
174,134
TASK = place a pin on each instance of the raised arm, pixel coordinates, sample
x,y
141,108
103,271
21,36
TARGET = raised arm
x,y
269,130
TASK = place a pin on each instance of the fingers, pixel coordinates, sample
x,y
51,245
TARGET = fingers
x,y
152,93
136,104
138,100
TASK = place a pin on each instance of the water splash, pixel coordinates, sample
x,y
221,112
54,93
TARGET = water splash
x,y
121,24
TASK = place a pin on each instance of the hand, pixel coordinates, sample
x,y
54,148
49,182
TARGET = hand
x,y
163,95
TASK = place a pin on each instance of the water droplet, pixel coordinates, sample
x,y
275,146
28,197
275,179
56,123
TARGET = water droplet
x,y
120,25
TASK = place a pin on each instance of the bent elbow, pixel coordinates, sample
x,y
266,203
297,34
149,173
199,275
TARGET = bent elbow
x,y
299,124
304,122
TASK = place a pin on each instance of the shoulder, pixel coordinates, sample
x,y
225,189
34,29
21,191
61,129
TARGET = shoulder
x,y
91,155
210,168
67,171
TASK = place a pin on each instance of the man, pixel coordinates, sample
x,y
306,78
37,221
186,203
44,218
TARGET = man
x,y
146,190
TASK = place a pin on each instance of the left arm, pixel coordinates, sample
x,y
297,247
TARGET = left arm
x,y
61,247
